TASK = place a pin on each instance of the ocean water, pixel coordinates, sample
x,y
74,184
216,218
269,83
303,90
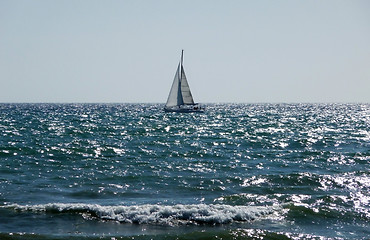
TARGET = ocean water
x,y
132,171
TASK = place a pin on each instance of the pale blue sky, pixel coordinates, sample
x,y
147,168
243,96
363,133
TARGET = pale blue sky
x,y
235,51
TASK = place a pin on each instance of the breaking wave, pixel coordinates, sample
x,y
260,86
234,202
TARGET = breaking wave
x,y
157,214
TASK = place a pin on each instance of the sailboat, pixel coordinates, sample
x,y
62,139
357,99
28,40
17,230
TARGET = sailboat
x,y
180,98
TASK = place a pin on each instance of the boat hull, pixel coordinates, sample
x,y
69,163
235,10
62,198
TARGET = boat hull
x,y
196,109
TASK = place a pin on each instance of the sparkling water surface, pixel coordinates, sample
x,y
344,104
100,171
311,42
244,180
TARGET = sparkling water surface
x,y
132,171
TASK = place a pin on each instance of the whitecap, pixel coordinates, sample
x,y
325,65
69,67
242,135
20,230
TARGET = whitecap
x,y
157,214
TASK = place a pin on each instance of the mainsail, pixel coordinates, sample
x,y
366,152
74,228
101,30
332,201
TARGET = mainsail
x,y
175,96
180,93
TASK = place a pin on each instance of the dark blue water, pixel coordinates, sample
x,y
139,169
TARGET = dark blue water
x,y
237,171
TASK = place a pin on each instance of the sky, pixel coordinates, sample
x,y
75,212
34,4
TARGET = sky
x,y
238,51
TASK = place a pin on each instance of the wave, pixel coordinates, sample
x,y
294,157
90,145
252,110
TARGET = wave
x,y
352,207
157,214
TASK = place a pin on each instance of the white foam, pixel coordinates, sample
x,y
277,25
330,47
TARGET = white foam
x,y
158,214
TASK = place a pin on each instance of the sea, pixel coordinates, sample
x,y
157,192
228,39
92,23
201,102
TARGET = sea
x,y
236,171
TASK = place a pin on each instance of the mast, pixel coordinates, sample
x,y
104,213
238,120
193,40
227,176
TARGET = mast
x,y
182,59
182,56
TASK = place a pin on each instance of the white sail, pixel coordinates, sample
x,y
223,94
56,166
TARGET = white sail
x,y
185,89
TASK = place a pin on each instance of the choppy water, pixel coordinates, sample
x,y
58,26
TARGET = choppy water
x,y
131,171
